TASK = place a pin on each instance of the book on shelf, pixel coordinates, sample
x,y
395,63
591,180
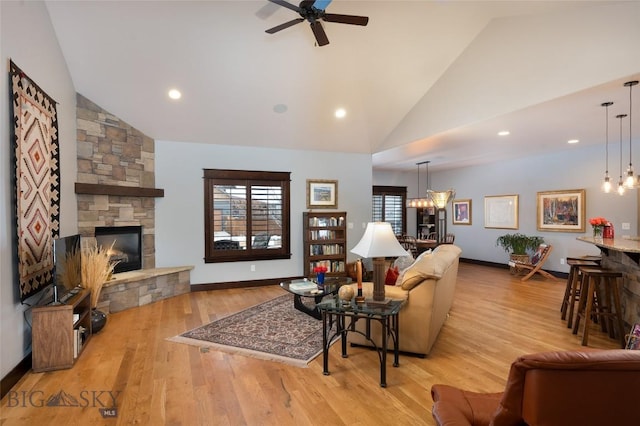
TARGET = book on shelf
x,y
79,337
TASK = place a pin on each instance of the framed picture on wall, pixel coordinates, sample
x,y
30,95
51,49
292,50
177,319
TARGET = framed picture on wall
x,y
461,212
501,211
322,194
561,211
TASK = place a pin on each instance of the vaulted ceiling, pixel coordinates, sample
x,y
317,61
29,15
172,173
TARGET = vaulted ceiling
x,y
423,80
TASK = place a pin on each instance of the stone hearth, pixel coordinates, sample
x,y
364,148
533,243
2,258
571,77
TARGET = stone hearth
x,y
137,288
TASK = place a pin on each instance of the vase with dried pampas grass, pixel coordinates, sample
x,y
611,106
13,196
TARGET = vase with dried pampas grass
x,y
96,270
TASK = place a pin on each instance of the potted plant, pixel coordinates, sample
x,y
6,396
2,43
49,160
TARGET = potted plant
x,y
96,270
519,245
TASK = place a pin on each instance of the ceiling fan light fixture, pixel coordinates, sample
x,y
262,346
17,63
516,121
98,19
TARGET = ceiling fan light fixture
x,y
312,12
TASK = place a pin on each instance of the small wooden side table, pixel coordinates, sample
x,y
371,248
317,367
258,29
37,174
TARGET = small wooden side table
x,y
345,318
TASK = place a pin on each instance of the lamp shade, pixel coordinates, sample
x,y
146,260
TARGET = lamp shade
x,y
441,198
379,241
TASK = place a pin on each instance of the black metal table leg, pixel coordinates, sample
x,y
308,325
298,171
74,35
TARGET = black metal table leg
x,y
396,335
297,303
325,342
383,358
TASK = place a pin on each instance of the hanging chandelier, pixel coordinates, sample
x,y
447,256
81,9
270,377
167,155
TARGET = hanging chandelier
x,y
620,181
606,186
441,198
421,201
631,180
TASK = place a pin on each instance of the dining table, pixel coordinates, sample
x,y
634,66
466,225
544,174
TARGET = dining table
x,y
423,245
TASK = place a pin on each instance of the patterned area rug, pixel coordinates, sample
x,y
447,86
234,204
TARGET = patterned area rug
x,y
272,330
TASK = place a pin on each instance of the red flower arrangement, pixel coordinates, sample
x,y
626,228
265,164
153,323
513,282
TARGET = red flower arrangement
x,y
320,269
598,221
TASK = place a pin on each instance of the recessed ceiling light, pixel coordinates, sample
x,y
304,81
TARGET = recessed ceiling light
x,y
573,141
341,113
503,133
175,94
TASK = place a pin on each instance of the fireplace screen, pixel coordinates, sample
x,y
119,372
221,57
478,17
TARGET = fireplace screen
x,y
127,245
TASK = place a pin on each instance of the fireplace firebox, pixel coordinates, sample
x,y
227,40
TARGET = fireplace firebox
x,y
127,245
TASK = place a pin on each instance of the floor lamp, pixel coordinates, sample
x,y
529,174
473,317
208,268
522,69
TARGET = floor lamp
x,y
379,242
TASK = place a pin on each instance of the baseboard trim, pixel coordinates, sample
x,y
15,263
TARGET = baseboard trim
x,y
505,266
15,375
276,281
240,284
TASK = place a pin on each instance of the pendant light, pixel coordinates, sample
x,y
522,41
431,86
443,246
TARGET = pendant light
x,y
630,182
606,186
621,182
420,201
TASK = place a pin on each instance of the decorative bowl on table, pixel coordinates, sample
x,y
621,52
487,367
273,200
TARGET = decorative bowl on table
x,y
346,293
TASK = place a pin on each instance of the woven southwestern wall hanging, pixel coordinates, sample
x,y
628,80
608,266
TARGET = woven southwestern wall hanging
x,y
36,178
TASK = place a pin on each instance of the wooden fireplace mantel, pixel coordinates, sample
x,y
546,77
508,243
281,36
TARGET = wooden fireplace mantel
x,y
124,191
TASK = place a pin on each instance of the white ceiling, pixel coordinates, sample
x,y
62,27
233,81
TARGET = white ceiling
x,y
126,55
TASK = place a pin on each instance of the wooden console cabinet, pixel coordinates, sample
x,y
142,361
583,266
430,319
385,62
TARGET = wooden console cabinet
x,y
60,333
325,242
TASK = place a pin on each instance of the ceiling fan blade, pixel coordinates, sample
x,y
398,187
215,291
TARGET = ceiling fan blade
x,y
286,4
318,32
321,4
267,10
283,26
346,19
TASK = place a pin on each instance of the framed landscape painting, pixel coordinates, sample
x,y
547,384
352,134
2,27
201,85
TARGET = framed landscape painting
x,y
501,211
322,194
462,212
561,211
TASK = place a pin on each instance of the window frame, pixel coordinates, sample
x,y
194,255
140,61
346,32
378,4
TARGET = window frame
x,y
383,190
248,178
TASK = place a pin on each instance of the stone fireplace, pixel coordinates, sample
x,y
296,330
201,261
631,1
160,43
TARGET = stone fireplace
x,y
113,154
115,188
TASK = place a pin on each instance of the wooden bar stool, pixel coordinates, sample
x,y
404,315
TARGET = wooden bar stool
x,y
594,304
574,286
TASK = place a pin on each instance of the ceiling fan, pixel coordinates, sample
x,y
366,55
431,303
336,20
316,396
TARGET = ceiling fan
x,y
314,11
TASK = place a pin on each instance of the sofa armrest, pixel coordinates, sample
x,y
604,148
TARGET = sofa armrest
x,y
453,406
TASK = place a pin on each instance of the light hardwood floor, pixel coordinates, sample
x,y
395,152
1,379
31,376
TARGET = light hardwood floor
x,y
494,319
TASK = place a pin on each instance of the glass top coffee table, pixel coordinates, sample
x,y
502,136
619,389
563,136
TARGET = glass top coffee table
x,y
308,288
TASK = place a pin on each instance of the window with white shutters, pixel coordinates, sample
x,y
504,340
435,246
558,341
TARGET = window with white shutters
x,y
246,215
389,206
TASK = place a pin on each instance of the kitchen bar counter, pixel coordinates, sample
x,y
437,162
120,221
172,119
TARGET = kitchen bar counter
x,y
623,254
627,245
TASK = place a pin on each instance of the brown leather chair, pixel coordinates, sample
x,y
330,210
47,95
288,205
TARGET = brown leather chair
x,y
599,387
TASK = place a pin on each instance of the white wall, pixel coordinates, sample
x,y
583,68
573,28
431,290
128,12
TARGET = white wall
x,y
496,74
28,38
180,214
577,168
